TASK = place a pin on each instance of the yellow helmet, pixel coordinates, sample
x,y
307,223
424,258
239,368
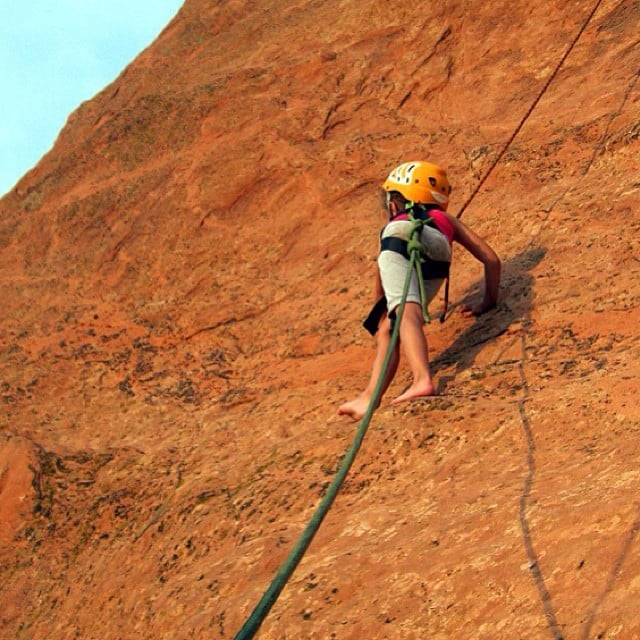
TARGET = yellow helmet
x,y
420,182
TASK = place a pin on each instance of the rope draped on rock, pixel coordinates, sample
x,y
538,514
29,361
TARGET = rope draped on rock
x,y
259,613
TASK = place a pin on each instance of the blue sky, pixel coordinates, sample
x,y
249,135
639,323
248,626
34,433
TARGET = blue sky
x,y
54,55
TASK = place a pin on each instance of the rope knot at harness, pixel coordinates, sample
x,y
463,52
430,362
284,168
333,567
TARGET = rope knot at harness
x,y
414,243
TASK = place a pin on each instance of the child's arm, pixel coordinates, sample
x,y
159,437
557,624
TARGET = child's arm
x,y
480,250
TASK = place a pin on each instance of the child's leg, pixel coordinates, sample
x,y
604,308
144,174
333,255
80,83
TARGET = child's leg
x,y
414,345
358,407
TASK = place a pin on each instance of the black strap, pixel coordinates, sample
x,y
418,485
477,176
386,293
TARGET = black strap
x,y
375,315
431,269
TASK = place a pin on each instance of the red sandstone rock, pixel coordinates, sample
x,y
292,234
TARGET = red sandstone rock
x,y
183,279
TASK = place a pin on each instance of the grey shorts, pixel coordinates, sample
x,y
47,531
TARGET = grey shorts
x,y
393,271
393,266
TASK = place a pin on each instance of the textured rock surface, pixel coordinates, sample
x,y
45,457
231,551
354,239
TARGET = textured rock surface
x,y
183,279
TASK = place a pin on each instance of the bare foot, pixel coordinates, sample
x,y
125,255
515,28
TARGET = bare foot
x,y
414,391
355,409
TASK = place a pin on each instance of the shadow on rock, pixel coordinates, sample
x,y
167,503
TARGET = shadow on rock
x,y
516,301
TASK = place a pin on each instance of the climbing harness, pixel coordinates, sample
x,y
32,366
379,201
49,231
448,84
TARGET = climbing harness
x,y
422,262
427,268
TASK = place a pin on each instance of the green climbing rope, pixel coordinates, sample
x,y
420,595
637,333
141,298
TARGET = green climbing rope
x,y
414,246
278,583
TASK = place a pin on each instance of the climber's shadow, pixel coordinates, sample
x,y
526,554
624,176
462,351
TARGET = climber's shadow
x,y
516,296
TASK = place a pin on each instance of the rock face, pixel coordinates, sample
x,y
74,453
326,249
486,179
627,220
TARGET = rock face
x,y
183,279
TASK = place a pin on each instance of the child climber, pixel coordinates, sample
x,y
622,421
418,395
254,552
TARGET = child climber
x,y
418,191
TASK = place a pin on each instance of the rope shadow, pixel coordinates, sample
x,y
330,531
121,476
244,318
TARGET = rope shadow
x,y
532,556
518,290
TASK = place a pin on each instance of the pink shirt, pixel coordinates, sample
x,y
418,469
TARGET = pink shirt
x,y
443,224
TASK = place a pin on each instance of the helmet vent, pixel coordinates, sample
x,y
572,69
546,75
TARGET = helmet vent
x,y
421,182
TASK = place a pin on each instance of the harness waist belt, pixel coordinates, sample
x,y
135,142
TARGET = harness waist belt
x,y
431,269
